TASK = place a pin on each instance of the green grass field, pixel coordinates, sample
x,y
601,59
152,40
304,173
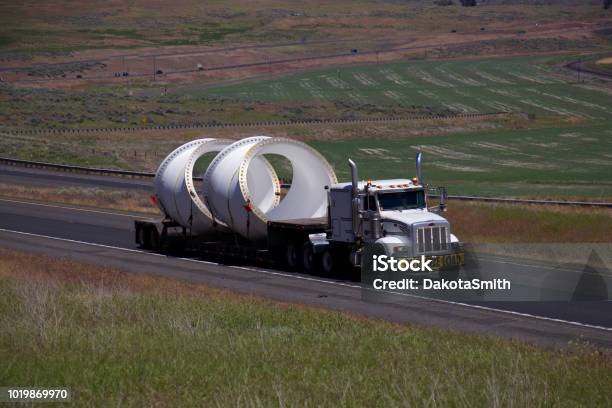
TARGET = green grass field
x,y
540,163
560,160
524,84
129,340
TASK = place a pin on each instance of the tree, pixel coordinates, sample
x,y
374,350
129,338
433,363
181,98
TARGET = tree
x,y
471,3
607,4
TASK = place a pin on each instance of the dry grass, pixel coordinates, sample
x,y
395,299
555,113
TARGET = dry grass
x,y
96,197
55,271
131,340
485,223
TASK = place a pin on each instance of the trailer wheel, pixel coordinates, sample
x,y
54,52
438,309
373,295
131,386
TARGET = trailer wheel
x,y
310,260
143,238
154,240
328,262
293,257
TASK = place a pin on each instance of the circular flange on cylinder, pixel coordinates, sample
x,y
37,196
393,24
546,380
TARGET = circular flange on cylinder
x,y
221,188
174,189
204,217
245,198
307,197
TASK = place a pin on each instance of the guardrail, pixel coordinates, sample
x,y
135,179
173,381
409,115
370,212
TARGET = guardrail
x,y
147,175
527,201
468,115
75,169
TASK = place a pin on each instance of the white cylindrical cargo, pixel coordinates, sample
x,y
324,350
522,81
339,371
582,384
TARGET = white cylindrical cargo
x,y
176,195
221,187
240,189
244,196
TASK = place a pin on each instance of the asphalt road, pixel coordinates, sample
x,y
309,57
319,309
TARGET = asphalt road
x,y
50,178
106,238
581,67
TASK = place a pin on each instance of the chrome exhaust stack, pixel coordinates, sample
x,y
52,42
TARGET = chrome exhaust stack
x,y
356,201
419,174
354,178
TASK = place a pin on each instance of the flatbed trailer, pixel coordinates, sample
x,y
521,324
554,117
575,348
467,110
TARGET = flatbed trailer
x,y
283,246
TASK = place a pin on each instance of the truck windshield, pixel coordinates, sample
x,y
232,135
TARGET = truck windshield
x,y
401,200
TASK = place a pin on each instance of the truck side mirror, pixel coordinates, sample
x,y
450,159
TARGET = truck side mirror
x,y
443,196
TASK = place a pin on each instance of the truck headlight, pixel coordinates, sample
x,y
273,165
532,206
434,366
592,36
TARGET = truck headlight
x,y
457,246
401,250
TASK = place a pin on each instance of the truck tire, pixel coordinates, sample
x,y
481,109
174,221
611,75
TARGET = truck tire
x,y
154,241
293,257
310,261
328,262
143,238
451,273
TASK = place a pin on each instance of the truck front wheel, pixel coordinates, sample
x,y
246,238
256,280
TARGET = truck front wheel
x,y
450,273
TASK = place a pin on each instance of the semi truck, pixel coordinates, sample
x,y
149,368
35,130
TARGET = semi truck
x,y
329,237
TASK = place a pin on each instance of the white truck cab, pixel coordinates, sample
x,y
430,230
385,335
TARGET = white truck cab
x,y
391,214
400,207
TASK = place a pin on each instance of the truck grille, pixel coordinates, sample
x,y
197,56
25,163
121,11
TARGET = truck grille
x,y
432,239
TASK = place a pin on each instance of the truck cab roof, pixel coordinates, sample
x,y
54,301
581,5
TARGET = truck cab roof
x,y
389,184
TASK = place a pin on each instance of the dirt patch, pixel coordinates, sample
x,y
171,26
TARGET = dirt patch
x,y
604,61
122,200
180,64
